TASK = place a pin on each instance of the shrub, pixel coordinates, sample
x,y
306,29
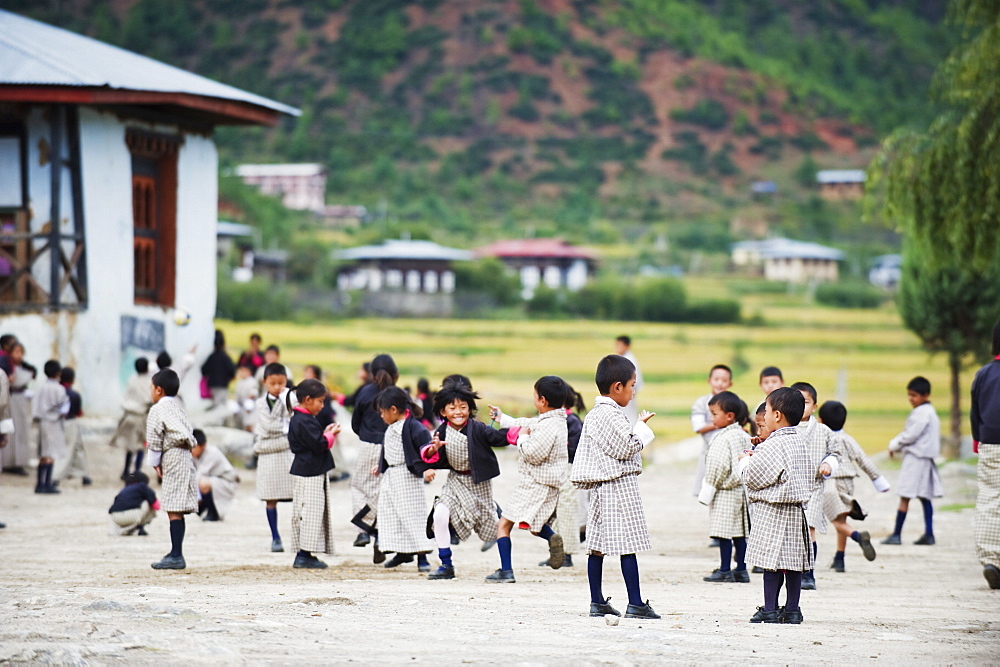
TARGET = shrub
x,y
849,295
661,300
713,311
545,301
689,150
707,113
258,299
488,276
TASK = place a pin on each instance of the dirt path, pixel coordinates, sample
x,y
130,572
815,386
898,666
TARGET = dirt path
x,y
70,593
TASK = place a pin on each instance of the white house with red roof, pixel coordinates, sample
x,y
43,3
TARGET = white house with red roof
x,y
551,262
108,202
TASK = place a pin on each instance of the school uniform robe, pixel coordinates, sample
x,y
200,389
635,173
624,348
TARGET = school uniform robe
x,y
727,510
6,420
569,517
48,409
136,401
701,416
370,429
839,494
274,457
822,447
920,443
402,500
541,468
312,524
170,438
213,466
18,452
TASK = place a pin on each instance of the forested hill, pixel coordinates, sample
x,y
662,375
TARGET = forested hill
x,y
458,111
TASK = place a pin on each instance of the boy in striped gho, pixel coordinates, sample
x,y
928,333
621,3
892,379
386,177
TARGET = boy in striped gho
x,y
541,467
608,462
778,478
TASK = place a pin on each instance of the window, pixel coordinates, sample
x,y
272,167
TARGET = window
x,y
154,215
17,284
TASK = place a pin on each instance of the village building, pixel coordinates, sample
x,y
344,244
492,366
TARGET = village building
x,y
301,187
108,202
785,260
552,262
837,184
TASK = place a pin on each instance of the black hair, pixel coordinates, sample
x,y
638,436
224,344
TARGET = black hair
x,y
6,340
317,371
771,371
199,436
275,369
805,386
457,377
67,375
220,340
996,339
163,360
423,386
136,478
454,390
167,380
52,368
612,369
743,418
789,402
721,367
255,336
393,397
552,389
306,389
762,408
142,365
383,371
920,385
625,339
833,414
727,402
273,348
574,400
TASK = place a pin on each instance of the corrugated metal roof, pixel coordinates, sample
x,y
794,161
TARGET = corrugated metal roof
x,y
286,169
840,176
35,53
400,249
534,248
781,248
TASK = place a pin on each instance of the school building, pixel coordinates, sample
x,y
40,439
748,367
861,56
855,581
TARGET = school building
x,y
837,184
108,202
550,261
786,260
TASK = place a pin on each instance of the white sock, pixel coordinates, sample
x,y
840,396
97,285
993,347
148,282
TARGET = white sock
x,y
442,517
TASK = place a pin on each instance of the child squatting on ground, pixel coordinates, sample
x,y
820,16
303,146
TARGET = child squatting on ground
x,y
134,506
608,462
778,477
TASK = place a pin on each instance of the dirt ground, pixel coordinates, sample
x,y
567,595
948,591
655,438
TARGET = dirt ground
x,y
71,593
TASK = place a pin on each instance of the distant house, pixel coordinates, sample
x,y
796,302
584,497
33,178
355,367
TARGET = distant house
x,y
886,271
302,187
108,202
550,261
762,189
836,184
787,260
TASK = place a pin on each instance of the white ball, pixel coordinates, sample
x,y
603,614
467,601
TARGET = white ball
x,y
181,317
611,619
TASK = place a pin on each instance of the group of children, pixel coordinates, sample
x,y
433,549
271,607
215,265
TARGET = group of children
x,y
771,483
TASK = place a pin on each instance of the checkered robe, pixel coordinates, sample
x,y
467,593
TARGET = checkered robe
x,y
128,520
6,420
820,444
365,485
274,458
701,417
987,524
131,431
48,408
541,467
840,490
567,522
919,442
216,468
471,505
312,527
402,512
727,513
169,432
778,478
18,452
608,462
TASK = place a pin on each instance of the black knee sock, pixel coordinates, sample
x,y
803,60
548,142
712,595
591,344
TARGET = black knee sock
x,y
928,516
772,584
209,504
740,544
815,556
793,582
630,571
177,537
48,475
546,532
272,521
139,456
595,574
900,518
725,554
41,476
128,464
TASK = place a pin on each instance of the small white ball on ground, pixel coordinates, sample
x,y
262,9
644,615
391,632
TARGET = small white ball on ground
x,y
181,317
611,619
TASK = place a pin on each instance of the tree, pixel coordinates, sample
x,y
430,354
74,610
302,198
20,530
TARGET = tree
x,y
942,187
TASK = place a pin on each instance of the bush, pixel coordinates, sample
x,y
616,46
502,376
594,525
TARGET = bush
x,y
488,276
545,301
713,311
707,113
661,300
849,295
258,299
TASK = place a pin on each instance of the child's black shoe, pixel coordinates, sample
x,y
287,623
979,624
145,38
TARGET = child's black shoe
x,y
277,547
377,556
741,576
794,617
718,576
362,540
170,563
486,546
640,611
865,542
757,569
567,561
837,565
808,581
766,616
992,575
303,562
443,572
892,539
925,539
87,481
557,555
141,530
603,609
398,559
502,577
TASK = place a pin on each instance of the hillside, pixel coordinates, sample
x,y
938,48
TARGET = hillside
x,y
561,115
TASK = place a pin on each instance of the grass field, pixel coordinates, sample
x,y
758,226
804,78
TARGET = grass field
x,y
863,357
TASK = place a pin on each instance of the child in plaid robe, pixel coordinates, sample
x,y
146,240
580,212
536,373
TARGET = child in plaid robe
x,y
608,462
778,477
839,498
49,408
274,458
541,466
170,438
824,453
131,432
722,489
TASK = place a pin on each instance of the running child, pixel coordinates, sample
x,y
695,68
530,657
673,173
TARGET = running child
x,y
541,467
720,378
568,509
134,506
170,439
274,457
722,490
839,499
919,443
312,526
608,463
131,432
402,513
463,446
778,476
49,408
